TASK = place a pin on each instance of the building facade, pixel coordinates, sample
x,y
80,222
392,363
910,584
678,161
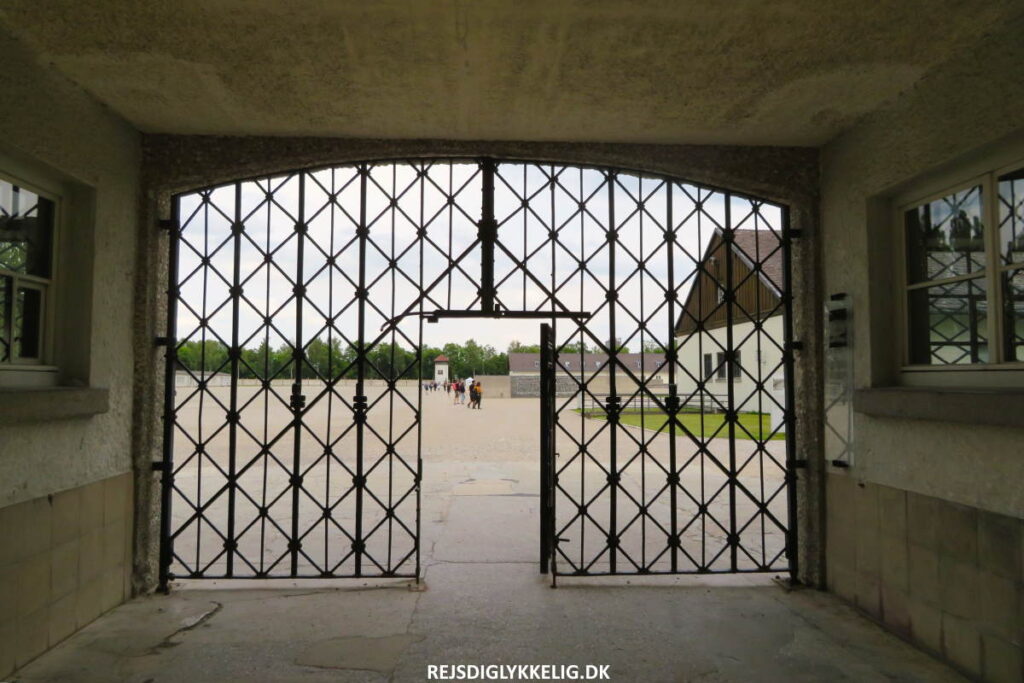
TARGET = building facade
x,y
751,326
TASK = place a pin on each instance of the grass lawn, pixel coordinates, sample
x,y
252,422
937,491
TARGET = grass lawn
x,y
758,424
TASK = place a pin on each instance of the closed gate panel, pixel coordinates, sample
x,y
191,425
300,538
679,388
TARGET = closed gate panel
x,y
296,312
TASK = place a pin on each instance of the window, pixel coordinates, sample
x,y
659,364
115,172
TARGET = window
x,y
26,271
720,371
964,284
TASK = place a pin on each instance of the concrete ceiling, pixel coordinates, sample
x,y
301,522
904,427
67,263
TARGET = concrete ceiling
x,y
789,72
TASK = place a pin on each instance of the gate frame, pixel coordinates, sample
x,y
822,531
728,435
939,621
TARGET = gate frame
x,y
173,164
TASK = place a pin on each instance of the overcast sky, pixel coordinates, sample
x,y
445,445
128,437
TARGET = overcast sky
x,y
523,230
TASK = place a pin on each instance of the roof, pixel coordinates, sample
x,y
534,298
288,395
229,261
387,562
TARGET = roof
x,y
530,362
761,245
750,246
441,359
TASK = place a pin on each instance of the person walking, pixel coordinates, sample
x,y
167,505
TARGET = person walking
x,y
478,393
455,392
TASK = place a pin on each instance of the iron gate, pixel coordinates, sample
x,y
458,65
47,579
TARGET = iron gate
x,y
292,443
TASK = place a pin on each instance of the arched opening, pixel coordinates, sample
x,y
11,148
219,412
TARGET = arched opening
x,y
301,309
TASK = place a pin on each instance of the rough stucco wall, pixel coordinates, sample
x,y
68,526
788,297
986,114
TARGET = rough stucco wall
x,y
968,104
787,175
46,118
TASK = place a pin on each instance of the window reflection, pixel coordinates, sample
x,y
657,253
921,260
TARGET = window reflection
x,y
1013,313
945,237
1011,217
26,225
948,323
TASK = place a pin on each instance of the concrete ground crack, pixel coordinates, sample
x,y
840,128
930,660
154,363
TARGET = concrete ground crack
x,y
168,641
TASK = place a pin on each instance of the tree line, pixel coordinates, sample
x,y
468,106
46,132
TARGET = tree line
x,y
332,360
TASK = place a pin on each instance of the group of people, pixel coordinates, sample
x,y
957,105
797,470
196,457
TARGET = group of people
x,y
460,387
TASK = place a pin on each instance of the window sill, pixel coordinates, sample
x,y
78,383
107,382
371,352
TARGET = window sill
x,y
983,406
45,404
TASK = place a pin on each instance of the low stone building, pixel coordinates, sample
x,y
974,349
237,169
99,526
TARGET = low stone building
x,y
592,368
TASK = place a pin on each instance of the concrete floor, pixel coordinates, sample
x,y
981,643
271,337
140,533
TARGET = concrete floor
x,y
482,601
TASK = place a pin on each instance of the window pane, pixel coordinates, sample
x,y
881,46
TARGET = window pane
x,y
26,230
28,309
1013,302
1011,217
6,301
948,324
945,238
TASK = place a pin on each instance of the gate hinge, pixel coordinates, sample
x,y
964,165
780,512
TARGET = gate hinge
x,y
166,224
795,233
162,341
160,466
796,346
799,464
840,463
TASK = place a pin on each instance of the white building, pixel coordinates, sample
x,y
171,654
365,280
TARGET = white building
x,y
703,330
441,369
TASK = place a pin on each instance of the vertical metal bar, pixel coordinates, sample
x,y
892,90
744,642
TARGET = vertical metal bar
x,y
488,230
421,236
612,408
546,429
392,271
727,237
790,391
673,402
236,290
170,414
297,399
359,400
642,454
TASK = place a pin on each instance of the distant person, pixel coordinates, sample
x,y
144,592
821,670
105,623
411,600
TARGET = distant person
x,y
455,393
462,391
477,394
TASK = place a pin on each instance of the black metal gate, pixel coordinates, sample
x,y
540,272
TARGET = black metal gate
x,y
295,316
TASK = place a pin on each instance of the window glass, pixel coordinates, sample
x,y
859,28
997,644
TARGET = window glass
x,y
28,318
945,237
26,244
6,303
26,230
1013,314
1011,217
948,323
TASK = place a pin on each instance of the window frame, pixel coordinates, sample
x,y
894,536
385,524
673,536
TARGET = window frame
x,y
1010,373
12,371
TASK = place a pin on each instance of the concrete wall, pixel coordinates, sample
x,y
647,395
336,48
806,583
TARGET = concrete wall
x,y
65,559
923,498
48,123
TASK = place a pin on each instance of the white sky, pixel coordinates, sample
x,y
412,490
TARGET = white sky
x,y
270,225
